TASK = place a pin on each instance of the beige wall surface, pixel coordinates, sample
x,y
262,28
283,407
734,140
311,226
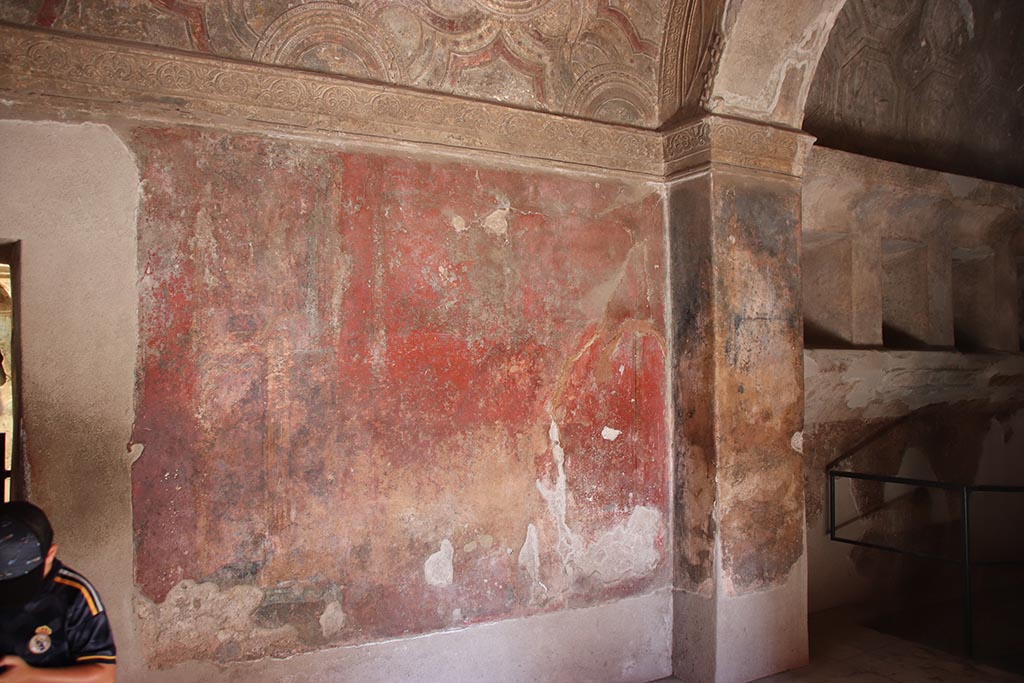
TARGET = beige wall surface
x,y
69,194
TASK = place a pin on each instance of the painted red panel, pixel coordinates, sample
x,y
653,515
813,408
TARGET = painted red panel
x,y
352,362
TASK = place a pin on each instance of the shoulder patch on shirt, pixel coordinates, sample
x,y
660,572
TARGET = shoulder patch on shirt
x,y
68,577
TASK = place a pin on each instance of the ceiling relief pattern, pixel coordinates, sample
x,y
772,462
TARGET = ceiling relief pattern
x,y
934,83
692,49
605,60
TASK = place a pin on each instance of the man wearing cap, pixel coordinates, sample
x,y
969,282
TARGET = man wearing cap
x,y
53,628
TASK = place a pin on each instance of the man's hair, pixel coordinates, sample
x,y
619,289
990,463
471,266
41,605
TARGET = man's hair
x,y
32,517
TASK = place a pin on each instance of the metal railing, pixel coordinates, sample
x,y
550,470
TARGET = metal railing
x,y
965,490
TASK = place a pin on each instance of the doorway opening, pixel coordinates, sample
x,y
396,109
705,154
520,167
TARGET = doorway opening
x,y
9,442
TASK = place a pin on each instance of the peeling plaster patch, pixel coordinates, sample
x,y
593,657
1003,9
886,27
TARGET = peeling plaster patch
x,y
135,451
797,442
201,621
529,560
609,434
864,376
595,302
332,621
496,222
967,12
961,186
437,570
460,224
626,550
555,496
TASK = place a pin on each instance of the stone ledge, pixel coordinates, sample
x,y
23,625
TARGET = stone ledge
x,y
863,384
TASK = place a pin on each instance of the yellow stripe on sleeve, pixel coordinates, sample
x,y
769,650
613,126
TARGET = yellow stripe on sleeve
x,y
97,658
85,592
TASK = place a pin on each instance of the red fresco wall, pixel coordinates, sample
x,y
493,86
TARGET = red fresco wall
x,y
374,394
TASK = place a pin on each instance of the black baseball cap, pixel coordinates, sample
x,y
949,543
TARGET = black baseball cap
x,y
25,539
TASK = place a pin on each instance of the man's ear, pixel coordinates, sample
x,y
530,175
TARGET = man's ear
x,y
48,563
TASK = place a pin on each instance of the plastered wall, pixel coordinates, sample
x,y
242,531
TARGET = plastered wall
x,y
69,195
366,396
913,368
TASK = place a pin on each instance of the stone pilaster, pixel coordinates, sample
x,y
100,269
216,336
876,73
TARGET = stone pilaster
x,y
734,220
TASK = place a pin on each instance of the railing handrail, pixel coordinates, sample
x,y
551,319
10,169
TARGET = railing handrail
x,y
950,486
965,560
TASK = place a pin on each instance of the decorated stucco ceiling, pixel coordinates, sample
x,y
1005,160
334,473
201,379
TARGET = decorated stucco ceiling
x,y
935,83
608,60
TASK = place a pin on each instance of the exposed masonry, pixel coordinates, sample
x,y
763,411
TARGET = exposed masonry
x,y
200,621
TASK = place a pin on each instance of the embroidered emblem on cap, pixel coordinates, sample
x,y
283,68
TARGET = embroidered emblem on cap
x,y
40,643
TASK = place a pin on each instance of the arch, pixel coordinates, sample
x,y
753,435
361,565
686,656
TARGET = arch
x,y
768,58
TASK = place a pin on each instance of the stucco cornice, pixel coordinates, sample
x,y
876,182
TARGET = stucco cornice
x,y
52,70
717,140
45,67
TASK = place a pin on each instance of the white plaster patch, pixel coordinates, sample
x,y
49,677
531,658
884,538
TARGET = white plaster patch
x,y
627,550
135,452
864,376
555,495
797,442
496,222
459,223
332,621
609,434
438,569
529,560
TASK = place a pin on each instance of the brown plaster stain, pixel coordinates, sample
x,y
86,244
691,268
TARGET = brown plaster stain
x,y
694,388
759,375
347,367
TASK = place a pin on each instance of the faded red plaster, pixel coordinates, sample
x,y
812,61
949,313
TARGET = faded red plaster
x,y
349,359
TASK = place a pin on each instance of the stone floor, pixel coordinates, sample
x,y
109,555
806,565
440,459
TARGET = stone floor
x,y
843,652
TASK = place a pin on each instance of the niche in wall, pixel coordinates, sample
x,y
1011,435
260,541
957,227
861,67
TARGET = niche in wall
x,y
826,264
973,291
905,310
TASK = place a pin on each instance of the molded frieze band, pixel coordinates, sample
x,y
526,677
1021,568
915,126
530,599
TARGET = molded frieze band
x,y
734,142
54,70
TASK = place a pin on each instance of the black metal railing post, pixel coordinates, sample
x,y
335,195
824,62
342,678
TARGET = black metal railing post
x,y
832,504
965,494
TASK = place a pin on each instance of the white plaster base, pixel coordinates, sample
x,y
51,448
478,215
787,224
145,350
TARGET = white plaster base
x,y
735,639
761,634
694,648
628,641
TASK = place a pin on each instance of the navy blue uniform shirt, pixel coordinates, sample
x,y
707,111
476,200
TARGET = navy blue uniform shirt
x,y
65,624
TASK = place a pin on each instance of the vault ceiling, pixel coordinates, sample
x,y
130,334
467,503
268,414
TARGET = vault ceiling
x,y
933,83
606,60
